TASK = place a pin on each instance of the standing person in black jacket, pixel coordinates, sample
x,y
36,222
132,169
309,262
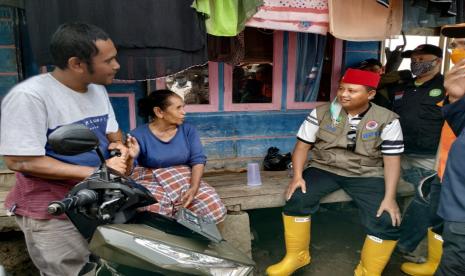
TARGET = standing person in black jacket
x,y
417,102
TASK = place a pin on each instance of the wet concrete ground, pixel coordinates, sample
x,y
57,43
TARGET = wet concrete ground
x,y
336,241
337,238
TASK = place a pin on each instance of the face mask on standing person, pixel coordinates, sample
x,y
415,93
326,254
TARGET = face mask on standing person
x,y
424,58
419,68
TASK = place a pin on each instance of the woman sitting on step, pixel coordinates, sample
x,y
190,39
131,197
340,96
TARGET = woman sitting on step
x,y
171,160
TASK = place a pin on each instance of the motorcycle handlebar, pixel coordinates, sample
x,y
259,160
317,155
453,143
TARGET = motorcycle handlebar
x,y
82,197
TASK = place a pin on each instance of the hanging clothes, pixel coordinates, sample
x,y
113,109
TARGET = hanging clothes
x,y
226,17
154,38
310,16
364,20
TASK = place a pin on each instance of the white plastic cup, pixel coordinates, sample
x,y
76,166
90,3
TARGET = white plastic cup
x,y
253,174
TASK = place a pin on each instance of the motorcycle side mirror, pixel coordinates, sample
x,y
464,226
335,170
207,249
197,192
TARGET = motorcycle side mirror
x,y
73,139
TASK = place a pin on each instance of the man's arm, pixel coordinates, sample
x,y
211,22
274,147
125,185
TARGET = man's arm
x,y
391,175
47,167
117,142
115,137
299,159
306,136
391,148
391,178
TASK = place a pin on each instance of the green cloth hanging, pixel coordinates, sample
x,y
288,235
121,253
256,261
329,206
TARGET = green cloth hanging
x,y
226,17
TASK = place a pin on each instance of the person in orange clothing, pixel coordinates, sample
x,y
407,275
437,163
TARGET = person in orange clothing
x,y
430,190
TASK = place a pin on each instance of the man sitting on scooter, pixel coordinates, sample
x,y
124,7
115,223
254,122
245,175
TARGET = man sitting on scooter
x,y
85,59
356,146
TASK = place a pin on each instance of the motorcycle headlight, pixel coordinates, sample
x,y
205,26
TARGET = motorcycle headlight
x,y
215,266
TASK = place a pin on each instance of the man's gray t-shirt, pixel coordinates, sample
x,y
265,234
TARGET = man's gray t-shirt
x,y
36,107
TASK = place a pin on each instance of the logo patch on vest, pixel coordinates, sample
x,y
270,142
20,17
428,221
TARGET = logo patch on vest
x,y
330,128
371,125
370,135
435,92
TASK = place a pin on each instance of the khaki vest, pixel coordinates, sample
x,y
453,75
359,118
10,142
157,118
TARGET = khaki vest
x,y
330,149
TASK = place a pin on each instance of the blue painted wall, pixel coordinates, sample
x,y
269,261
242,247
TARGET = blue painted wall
x,y
121,104
232,139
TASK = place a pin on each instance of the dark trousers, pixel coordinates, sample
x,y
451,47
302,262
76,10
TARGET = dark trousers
x,y
453,255
419,216
367,193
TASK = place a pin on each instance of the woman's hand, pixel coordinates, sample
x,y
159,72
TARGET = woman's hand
x,y
188,196
133,147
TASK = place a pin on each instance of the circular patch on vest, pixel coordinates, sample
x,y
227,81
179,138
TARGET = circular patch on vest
x,y
435,92
371,125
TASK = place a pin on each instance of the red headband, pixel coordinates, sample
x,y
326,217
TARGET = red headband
x,y
362,77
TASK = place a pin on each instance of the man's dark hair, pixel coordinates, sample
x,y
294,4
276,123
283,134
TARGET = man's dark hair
x,y
369,63
75,40
369,88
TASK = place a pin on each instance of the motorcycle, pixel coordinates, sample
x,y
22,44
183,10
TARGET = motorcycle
x,y
106,208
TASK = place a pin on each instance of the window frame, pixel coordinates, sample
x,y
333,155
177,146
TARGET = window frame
x,y
336,69
213,91
278,39
131,105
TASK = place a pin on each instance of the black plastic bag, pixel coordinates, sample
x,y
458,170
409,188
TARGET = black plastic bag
x,y
274,161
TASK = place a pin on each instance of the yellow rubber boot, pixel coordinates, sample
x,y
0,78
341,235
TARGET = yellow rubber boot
x,y
434,256
297,239
375,255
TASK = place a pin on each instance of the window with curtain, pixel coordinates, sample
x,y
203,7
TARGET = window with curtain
x,y
310,53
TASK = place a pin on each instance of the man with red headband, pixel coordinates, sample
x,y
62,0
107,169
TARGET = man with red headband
x,y
355,145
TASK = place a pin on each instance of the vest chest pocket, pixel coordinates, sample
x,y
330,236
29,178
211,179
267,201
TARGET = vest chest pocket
x,y
429,109
326,134
371,141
